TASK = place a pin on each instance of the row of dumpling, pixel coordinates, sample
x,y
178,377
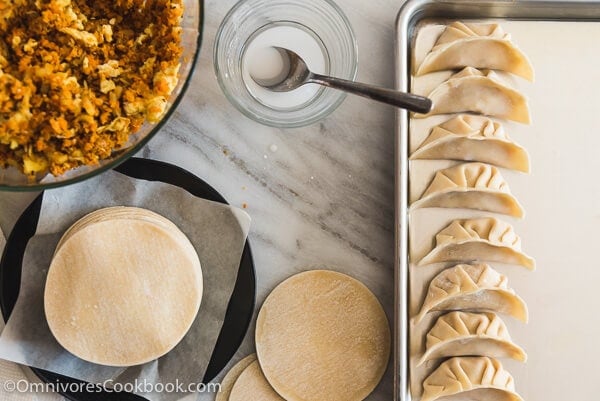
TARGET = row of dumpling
x,y
470,336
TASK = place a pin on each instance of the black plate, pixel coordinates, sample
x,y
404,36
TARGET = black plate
x,y
240,308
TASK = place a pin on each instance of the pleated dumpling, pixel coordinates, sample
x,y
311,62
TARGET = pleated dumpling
x,y
473,287
467,333
476,186
482,92
479,46
473,138
472,378
485,239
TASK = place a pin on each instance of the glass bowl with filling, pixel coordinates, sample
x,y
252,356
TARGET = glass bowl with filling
x,y
86,84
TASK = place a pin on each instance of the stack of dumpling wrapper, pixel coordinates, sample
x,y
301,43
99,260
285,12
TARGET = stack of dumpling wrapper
x,y
462,345
123,288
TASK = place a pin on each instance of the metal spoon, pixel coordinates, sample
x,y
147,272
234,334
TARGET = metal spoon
x,y
296,74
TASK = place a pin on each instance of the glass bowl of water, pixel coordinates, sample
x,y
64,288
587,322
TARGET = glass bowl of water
x,y
317,30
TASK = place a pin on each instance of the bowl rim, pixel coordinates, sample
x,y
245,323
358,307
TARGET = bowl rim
x,y
271,122
135,148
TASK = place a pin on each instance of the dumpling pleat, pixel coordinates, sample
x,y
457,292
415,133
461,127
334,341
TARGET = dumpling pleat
x,y
467,333
475,287
484,143
470,186
485,239
476,45
481,53
473,91
484,378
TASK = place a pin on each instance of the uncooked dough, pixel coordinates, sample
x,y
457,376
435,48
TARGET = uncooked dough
x,y
252,386
123,288
476,186
322,336
470,378
232,376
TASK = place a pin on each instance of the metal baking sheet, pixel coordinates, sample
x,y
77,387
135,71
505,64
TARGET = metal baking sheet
x,y
561,196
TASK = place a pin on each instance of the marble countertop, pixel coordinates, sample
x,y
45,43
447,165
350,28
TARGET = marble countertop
x,y
324,198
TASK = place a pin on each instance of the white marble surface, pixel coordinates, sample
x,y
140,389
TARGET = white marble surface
x,y
324,198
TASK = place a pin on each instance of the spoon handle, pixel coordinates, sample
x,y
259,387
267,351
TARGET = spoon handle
x,y
403,100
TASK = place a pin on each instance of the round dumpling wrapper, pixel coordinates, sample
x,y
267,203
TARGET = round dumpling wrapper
x,y
232,376
122,292
322,336
251,385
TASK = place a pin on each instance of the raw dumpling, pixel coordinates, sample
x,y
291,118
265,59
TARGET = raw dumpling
x,y
484,379
473,138
472,287
482,92
476,186
485,239
466,333
479,46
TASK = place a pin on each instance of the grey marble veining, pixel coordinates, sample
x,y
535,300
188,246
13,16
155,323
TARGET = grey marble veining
x,y
324,198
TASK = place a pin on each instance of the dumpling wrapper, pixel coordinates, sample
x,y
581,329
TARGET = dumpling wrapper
x,y
468,45
476,186
472,90
467,333
485,239
472,378
252,385
126,213
106,287
473,287
231,377
473,138
322,335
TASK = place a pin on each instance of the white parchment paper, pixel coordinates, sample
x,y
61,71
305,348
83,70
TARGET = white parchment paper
x,y
218,233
